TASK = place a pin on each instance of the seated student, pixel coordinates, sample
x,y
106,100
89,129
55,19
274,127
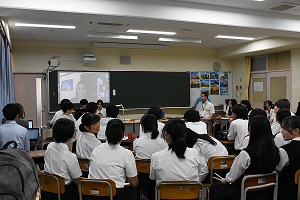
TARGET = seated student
x,y
67,109
280,115
206,145
260,157
82,110
58,114
269,108
101,111
205,108
168,164
86,142
157,112
289,158
60,161
21,119
11,131
254,112
247,104
231,103
112,112
238,128
111,161
192,117
149,142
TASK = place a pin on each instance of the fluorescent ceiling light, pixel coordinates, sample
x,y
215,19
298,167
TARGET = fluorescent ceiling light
x,y
234,37
112,35
151,32
45,26
179,39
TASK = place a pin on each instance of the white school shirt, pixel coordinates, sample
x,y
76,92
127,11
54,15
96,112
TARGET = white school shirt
x,y
237,131
284,158
166,166
59,114
271,114
275,127
205,109
279,140
239,166
60,161
112,162
207,149
103,124
144,146
160,127
77,124
198,127
102,112
86,144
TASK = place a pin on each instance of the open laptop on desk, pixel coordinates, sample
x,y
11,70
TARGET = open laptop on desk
x,y
33,135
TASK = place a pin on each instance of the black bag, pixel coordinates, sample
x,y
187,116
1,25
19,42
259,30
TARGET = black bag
x,y
222,135
18,174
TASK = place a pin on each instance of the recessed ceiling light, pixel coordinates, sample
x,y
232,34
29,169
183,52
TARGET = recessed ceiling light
x,y
151,32
179,39
45,26
258,0
234,37
112,35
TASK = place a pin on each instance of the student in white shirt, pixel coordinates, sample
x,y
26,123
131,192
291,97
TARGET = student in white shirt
x,y
112,112
260,157
111,161
58,114
157,112
231,103
238,128
289,158
247,104
192,117
86,142
178,162
205,108
280,115
60,161
269,108
101,111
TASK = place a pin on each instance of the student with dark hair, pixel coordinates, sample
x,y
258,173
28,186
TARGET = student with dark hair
x,y
11,131
247,104
111,161
192,117
206,145
289,158
112,112
205,108
59,113
157,112
60,161
67,109
231,103
21,119
101,111
298,110
87,141
280,115
81,92
238,128
82,110
149,142
269,108
260,157
167,164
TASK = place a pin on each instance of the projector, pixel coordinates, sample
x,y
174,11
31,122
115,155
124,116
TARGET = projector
x,y
86,58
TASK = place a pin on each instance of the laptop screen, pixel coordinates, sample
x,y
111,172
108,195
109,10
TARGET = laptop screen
x,y
30,123
33,133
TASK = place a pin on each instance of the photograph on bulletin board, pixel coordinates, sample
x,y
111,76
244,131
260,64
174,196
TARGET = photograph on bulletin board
x,y
195,84
224,91
214,83
204,75
205,90
214,91
214,75
223,75
223,83
194,75
204,83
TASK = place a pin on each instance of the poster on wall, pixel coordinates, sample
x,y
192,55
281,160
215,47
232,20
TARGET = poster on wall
x,y
214,75
195,84
204,75
224,91
223,75
194,75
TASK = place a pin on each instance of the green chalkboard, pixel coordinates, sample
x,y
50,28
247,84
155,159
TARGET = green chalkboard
x,y
140,89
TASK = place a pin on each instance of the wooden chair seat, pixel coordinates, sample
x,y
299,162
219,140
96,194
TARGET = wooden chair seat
x,y
84,164
51,183
297,179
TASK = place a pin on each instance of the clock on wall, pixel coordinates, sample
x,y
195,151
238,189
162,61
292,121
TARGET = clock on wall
x,y
217,66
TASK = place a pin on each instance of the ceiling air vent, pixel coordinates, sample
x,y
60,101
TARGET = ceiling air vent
x,y
111,24
284,7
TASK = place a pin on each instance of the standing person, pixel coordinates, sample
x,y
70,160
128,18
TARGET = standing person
x,y
269,108
178,162
205,108
289,158
11,131
101,111
112,161
157,112
260,157
231,103
21,119
60,161
112,113
192,117
58,114
247,104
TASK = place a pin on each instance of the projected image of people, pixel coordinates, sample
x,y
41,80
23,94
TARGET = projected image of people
x,y
81,92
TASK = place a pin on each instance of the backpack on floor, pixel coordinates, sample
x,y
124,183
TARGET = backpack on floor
x,y
18,174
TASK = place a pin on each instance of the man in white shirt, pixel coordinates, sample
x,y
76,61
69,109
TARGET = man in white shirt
x,y
101,111
59,113
205,108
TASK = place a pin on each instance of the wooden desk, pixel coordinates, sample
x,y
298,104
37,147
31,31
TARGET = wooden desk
x,y
227,144
37,154
209,125
223,120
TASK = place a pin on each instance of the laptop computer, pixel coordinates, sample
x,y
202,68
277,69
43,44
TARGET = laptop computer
x,y
33,135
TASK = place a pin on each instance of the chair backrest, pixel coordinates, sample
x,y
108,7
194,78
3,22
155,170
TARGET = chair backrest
x,y
51,183
256,182
219,162
143,165
179,190
96,187
84,164
297,180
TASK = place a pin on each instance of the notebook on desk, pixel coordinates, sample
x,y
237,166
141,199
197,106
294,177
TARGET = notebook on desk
x,y
33,135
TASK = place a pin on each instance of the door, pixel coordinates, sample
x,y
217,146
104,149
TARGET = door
x,y
258,90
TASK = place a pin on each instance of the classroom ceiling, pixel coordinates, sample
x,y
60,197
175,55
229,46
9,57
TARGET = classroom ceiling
x,y
188,18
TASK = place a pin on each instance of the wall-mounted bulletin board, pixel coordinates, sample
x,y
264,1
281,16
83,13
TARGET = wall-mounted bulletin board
x,y
217,84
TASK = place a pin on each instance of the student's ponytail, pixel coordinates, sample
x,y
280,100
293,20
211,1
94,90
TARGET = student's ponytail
x,y
178,147
154,133
149,122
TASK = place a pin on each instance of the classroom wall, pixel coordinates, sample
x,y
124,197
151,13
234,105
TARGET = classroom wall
x,y
295,71
238,69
